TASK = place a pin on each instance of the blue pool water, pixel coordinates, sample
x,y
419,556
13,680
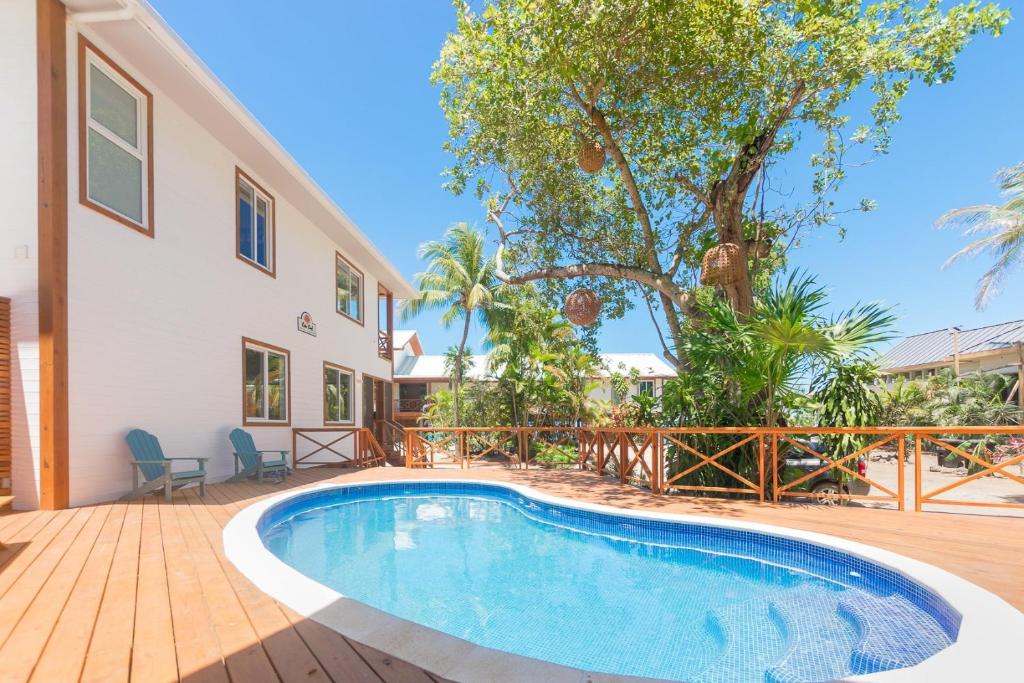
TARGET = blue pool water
x,y
605,592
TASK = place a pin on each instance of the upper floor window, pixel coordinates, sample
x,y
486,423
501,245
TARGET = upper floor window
x,y
265,383
349,290
338,382
255,223
115,141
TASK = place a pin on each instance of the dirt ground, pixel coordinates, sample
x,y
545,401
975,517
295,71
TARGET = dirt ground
x,y
883,469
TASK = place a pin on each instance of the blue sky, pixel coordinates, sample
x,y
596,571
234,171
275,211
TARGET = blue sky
x,y
345,87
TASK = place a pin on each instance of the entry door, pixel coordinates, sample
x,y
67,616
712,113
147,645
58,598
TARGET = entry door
x,y
368,404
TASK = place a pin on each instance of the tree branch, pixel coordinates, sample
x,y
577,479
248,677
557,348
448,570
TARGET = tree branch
x,y
681,298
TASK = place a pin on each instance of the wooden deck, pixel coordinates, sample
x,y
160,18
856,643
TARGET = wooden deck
x,y
142,591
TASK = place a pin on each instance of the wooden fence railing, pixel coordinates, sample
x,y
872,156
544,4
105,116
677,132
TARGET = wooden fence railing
x,y
768,464
343,446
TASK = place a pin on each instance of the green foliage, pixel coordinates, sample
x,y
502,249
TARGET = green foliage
x,y
845,396
693,102
1001,230
544,373
460,282
943,399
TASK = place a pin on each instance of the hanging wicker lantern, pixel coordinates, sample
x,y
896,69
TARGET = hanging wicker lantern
x,y
591,156
722,265
582,307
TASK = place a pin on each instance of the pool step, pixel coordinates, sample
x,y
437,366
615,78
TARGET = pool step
x,y
882,625
746,648
818,640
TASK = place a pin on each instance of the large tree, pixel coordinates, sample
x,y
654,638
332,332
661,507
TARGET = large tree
x,y
693,103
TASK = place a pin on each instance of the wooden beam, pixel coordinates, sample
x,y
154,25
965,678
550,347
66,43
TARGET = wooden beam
x,y
1020,381
51,65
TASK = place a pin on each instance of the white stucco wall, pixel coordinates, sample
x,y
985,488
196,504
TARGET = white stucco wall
x,y
156,325
19,236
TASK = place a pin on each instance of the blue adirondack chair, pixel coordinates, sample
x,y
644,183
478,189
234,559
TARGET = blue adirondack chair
x,y
149,459
249,461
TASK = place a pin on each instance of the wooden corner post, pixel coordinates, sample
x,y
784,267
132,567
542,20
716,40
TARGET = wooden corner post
x,y
52,131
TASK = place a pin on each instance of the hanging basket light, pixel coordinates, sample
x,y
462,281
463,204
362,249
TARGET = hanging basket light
x,y
582,307
591,156
722,265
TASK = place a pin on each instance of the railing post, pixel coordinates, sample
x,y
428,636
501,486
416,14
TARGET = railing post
x,y
775,467
523,444
408,449
295,463
917,471
657,467
461,449
760,466
623,457
901,456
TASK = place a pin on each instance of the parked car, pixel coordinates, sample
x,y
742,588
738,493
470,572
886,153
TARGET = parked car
x,y
826,487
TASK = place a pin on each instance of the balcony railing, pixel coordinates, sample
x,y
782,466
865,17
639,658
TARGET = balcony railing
x,y
383,344
410,405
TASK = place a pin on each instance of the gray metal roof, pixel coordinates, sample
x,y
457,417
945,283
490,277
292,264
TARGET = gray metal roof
x,y
937,346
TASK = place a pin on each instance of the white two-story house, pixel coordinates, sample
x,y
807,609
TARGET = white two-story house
x,y
166,264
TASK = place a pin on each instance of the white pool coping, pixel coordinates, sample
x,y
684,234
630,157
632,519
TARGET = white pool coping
x,y
991,630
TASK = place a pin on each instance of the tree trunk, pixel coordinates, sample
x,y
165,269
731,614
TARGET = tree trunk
x,y
458,368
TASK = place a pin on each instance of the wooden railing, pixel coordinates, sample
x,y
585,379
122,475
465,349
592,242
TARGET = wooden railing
x,y
767,464
342,446
410,405
384,349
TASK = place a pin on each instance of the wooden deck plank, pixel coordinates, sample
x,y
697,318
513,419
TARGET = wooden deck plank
x,y
109,655
334,652
29,636
197,648
21,594
243,652
76,586
153,652
289,654
24,546
64,654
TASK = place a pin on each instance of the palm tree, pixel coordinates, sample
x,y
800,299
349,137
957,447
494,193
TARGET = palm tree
x,y
460,282
1001,229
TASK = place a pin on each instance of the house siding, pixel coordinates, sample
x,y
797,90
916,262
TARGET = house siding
x,y
156,325
19,253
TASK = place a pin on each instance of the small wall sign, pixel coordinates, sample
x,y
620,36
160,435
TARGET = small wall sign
x,y
306,324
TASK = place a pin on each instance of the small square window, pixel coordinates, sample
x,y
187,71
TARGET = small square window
x,y
338,393
265,383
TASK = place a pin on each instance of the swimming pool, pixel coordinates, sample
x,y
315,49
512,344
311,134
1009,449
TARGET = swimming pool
x,y
599,590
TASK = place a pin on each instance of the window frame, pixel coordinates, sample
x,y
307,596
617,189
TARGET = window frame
x,y
338,260
247,421
89,54
351,396
640,387
258,191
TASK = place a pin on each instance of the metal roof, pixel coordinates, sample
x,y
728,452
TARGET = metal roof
x,y
937,346
432,366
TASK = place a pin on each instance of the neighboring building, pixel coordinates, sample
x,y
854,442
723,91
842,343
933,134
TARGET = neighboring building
x,y
994,348
169,265
418,375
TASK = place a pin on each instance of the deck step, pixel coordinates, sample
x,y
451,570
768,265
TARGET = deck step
x,y
881,625
5,504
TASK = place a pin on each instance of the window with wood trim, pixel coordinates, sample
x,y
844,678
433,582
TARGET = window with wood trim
x,y
265,383
349,291
339,383
254,223
115,141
